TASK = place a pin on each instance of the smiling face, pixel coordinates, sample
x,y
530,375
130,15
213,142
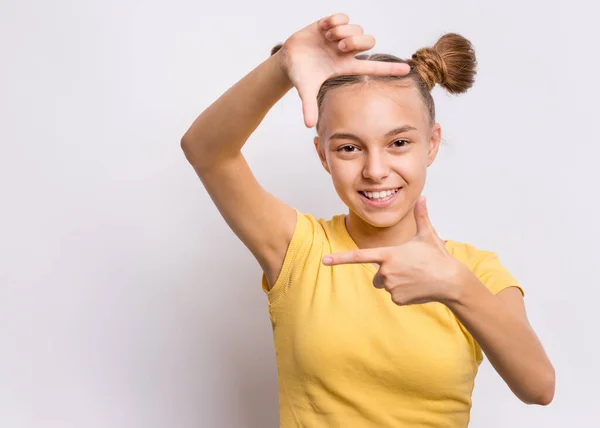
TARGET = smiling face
x,y
376,139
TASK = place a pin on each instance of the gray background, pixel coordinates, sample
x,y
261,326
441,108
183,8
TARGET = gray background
x,y
125,300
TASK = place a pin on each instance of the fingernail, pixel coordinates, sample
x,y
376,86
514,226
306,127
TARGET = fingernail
x,y
343,45
326,260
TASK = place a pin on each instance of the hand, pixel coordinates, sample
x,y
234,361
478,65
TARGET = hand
x,y
324,49
418,271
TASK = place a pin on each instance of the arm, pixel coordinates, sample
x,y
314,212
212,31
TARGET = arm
x,y
213,146
214,141
499,324
220,132
422,271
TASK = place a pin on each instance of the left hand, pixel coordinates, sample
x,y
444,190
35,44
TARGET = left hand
x,y
418,271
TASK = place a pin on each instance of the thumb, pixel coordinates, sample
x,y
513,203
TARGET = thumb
x,y
310,109
424,227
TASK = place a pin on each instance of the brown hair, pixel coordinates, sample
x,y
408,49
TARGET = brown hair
x,y
451,63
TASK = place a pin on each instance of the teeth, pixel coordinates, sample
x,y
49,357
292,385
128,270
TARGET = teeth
x,y
380,195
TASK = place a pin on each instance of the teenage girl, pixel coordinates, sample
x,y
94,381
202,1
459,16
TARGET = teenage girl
x,y
377,322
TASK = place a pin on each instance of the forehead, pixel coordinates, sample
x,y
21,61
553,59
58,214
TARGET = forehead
x,y
372,108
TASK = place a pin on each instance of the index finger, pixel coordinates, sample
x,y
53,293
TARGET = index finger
x,y
368,255
378,68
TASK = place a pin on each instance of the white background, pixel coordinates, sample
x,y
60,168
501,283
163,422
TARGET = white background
x,y
125,300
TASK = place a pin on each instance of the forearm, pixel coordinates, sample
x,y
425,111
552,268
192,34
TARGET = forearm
x,y
507,340
223,128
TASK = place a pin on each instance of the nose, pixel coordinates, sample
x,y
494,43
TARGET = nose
x,y
376,167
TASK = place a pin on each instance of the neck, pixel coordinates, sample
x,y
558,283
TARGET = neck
x,y
368,236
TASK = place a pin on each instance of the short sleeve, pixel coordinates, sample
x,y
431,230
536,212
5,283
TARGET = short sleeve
x,y
295,258
487,267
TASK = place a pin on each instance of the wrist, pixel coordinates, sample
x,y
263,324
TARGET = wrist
x,y
460,284
280,60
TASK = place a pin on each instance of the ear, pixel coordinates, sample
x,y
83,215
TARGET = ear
x,y
321,152
434,143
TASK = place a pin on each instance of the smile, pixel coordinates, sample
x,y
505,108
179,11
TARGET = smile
x,y
380,199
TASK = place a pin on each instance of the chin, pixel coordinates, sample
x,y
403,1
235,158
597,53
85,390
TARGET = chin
x,y
380,217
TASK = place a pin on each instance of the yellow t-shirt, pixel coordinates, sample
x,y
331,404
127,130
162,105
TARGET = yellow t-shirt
x,y
348,357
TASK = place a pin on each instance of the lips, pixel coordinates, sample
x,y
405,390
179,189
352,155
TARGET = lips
x,y
379,195
379,202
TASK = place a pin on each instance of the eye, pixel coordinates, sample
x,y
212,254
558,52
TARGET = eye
x,y
400,143
347,149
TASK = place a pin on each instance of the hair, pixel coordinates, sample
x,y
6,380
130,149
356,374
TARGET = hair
x,y
451,63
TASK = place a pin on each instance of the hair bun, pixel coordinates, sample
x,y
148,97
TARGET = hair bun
x,y
451,63
431,67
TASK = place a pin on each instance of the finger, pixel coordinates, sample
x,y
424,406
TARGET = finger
x,y
310,111
358,43
378,281
342,31
377,68
410,295
369,255
310,108
333,20
424,227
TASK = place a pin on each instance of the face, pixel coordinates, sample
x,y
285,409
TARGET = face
x,y
377,140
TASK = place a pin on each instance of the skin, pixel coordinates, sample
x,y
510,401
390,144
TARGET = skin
x,y
374,160
413,264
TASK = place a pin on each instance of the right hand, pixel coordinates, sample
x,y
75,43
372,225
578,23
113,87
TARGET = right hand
x,y
325,49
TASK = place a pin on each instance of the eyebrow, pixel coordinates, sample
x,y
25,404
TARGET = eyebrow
x,y
395,131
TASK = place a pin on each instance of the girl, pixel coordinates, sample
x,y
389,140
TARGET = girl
x,y
377,322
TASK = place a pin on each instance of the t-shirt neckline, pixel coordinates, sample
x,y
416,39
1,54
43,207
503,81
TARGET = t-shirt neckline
x,y
351,244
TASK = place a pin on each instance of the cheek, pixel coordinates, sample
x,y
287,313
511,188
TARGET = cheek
x,y
412,167
344,174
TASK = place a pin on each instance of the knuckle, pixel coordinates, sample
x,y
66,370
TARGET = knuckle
x,y
353,43
398,299
349,44
333,33
383,272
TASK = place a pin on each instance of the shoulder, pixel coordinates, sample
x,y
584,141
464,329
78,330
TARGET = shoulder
x,y
466,252
485,264
318,227
312,238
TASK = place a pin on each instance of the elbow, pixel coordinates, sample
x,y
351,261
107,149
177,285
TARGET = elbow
x,y
200,155
545,391
184,144
188,150
544,398
547,396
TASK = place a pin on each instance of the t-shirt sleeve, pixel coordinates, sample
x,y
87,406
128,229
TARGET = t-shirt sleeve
x,y
299,248
487,267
